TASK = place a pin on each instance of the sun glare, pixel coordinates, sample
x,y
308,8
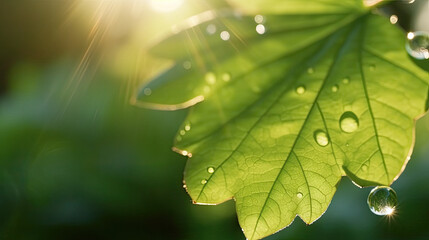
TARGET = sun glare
x,y
389,211
165,6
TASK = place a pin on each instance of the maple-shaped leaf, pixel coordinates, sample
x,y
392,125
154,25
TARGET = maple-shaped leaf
x,y
286,103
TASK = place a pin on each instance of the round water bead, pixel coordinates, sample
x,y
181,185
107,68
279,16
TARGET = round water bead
x,y
300,90
260,29
349,122
321,138
418,45
210,170
382,200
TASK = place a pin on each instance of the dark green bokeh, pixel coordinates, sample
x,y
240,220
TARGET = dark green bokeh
x,y
77,161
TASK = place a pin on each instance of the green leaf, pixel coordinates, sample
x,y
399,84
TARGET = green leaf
x,y
327,91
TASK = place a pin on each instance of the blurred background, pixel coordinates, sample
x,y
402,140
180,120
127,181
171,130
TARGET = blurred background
x,y
77,161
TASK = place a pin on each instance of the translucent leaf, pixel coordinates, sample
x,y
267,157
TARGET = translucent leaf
x,y
323,92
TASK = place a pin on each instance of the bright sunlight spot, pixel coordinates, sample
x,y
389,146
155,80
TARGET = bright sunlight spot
x,y
224,35
165,5
260,29
389,210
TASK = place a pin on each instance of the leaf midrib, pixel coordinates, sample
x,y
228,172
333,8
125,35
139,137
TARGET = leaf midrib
x,y
341,48
360,50
256,123
324,37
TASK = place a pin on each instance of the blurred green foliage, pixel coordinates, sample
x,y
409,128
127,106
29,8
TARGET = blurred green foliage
x,y
78,162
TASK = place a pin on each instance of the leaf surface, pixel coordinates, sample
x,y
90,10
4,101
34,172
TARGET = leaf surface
x,y
326,91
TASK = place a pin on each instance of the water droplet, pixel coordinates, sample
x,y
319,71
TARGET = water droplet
x,y
185,153
187,65
204,181
346,80
226,77
335,88
372,67
260,29
178,138
300,90
310,70
210,78
259,19
211,29
224,35
184,186
299,195
382,200
394,19
364,168
188,127
418,45
411,1
321,138
210,170
147,91
349,122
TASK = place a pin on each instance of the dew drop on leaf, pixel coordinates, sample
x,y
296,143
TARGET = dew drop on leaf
x,y
210,78
259,19
394,19
335,88
226,77
346,80
349,122
210,170
187,65
418,45
321,138
299,195
188,127
147,91
211,29
182,132
224,35
204,181
310,70
300,90
260,29
382,200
